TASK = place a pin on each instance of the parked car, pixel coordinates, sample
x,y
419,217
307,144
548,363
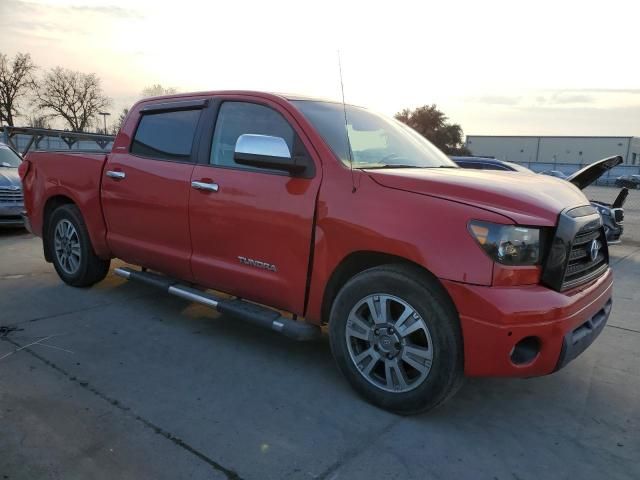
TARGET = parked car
x,y
487,163
310,213
554,173
11,203
629,181
612,214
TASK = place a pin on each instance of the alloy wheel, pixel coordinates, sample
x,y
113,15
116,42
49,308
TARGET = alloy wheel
x,y
67,246
389,343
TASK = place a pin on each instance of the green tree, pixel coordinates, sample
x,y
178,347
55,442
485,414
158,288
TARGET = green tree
x,y
433,124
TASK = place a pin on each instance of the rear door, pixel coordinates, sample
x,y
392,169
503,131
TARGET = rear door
x,y
252,235
145,191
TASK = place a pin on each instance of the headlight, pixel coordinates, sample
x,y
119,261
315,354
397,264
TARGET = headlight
x,y
508,244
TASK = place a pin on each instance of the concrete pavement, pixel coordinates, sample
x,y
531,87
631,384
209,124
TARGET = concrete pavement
x,y
129,383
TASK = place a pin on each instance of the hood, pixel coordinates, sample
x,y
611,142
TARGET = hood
x,y
589,174
9,177
527,199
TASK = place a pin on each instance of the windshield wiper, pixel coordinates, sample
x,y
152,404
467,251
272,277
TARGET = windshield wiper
x,y
390,165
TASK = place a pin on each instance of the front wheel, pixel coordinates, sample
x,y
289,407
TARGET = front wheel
x,y
70,246
396,337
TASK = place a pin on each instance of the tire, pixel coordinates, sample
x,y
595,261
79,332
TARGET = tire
x,y
420,319
71,251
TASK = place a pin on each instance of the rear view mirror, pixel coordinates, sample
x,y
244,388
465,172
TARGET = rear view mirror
x,y
265,151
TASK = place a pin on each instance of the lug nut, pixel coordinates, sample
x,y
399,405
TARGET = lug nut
x,y
376,331
389,356
391,330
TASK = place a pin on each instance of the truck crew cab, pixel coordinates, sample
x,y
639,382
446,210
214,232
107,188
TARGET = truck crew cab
x,y
424,272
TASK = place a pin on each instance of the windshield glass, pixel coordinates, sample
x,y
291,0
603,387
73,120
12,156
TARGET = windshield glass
x,y
8,157
376,141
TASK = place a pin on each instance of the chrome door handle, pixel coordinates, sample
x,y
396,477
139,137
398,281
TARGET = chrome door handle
x,y
116,175
209,187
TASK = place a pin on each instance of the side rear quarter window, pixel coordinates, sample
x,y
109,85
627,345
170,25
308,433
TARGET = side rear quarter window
x,y
166,135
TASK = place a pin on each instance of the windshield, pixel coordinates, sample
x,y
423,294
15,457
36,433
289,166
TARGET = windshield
x,y
8,158
376,141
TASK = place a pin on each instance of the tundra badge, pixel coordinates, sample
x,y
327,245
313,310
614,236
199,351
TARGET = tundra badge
x,y
258,264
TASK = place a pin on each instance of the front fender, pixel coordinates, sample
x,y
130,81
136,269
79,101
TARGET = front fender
x,y
428,231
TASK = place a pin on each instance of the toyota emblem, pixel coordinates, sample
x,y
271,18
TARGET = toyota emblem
x,y
594,249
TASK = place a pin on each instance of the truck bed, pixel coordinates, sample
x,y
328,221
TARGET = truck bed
x,y
66,175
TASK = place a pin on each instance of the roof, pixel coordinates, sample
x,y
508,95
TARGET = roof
x,y
286,96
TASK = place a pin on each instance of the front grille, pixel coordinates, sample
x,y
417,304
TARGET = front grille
x,y
10,196
587,257
569,259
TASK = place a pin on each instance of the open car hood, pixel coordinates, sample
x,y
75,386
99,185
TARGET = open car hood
x,y
589,174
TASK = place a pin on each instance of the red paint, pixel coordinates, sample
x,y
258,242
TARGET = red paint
x,y
494,319
307,227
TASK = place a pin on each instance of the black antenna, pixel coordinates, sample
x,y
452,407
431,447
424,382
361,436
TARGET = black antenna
x,y
346,131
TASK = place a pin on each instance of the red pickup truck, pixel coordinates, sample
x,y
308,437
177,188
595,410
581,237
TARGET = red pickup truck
x,y
308,213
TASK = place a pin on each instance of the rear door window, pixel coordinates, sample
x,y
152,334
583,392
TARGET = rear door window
x,y
166,135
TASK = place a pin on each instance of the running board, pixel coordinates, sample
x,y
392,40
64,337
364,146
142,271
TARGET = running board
x,y
250,312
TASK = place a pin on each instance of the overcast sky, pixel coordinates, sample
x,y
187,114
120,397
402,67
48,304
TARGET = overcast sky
x,y
512,67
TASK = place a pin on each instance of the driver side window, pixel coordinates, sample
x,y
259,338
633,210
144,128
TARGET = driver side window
x,y
239,118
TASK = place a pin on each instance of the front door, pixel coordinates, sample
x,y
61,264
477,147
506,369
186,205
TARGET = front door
x,y
146,192
251,229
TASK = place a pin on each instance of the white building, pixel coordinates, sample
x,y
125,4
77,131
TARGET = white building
x,y
578,150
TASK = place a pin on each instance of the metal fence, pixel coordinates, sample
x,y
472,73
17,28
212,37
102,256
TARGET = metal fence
x,y
24,139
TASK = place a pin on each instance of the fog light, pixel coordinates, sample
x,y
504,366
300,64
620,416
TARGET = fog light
x,y
525,351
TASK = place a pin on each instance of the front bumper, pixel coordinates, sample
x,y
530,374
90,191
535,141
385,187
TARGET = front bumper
x,y
27,222
495,320
11,215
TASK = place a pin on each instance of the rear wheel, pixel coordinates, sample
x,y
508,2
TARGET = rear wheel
x,y
71,251
396,337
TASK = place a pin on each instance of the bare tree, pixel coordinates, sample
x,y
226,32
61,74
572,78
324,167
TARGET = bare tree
x,y
120,121
75,96
157,90
16,79
36,120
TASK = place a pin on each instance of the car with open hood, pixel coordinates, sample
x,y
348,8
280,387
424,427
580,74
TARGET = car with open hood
x,y
612,213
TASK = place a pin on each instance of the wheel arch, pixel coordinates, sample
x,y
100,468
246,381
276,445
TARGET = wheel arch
x,y
50,206
359,261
